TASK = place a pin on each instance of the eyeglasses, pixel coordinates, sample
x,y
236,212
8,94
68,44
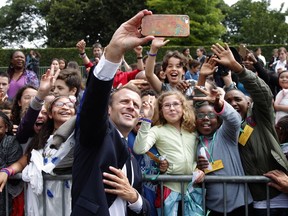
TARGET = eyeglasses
x,y
176,105
61,104
210,115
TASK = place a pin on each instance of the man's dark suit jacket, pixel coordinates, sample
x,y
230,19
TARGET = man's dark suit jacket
x,y
98,146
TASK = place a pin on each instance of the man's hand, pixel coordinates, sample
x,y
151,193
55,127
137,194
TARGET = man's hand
x,y
120,184
127,37
141,84
279,180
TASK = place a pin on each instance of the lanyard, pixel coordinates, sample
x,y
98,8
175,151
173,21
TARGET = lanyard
x,y
205,145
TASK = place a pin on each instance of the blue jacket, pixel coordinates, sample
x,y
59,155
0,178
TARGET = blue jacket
x,y
98,146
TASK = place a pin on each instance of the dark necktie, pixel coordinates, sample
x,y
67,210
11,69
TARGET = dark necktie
x,y
128,162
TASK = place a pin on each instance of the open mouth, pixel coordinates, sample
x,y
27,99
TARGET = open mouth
x,y
174,75
39,124
206,125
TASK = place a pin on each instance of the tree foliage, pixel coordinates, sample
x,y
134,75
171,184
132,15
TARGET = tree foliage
x,y
93,20
63,22
66,21
19,21
252,23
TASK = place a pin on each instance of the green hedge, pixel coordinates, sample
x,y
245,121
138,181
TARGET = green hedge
x,y
71,54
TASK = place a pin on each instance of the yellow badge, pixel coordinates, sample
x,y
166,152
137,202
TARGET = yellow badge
x,y
216,165
246,133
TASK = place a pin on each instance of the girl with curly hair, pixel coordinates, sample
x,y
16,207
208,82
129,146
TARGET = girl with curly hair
x,y
174,136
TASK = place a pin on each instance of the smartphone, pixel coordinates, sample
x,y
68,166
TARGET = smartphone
x,y
166,25
242,51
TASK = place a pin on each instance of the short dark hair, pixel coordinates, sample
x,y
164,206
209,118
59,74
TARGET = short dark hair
x,y
149,92
4,74
193,63
128,86
175,54
72,78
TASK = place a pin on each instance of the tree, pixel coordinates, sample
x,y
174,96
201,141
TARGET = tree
x,y
20,20
253,23
205,18
93,20
64,22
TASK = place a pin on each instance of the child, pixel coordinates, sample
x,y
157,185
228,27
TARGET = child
x,y
10,151
281,100
174,66
174,136
218,126
62,63
55,62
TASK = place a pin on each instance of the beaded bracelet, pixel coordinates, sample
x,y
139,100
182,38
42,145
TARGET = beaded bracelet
x,y
146,120
6,171
151,54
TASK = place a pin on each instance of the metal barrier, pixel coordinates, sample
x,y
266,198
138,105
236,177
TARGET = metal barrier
x,y
165,178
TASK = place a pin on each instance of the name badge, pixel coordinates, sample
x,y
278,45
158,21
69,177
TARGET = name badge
x,y
215,165
245,135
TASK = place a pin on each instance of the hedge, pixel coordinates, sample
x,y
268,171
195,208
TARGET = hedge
x,y
71,54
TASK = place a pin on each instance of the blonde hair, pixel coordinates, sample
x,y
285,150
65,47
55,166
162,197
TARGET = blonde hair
x,y
188,118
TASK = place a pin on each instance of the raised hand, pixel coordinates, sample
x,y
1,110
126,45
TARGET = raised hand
x,y
209,66
127,37
158,42
212,95
225,57
81,46
147,109
138,50
47,82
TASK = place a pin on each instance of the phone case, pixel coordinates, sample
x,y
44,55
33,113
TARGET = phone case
x,y
164,25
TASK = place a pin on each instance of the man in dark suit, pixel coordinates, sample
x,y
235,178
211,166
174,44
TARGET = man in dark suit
x,y
106,180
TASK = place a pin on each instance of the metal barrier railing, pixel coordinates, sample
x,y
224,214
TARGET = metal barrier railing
x,y
165,178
